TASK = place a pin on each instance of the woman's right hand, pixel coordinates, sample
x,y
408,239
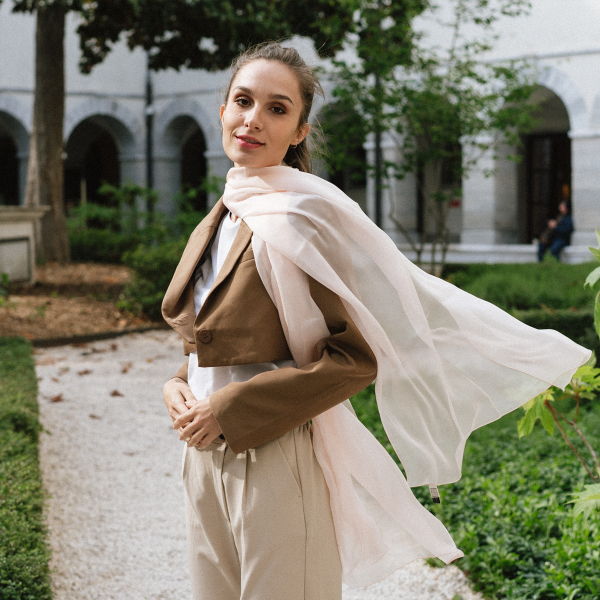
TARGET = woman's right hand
x,y
176,393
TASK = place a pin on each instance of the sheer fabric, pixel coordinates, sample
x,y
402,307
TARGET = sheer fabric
x,y
448,362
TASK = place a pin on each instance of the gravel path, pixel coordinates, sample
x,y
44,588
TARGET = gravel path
x,y
111,464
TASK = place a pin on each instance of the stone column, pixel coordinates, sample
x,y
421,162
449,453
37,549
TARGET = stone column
x,y
399,196
506,183
585,187
479,199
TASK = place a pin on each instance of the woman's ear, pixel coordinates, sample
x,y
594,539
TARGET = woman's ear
x,y
302,133
221,112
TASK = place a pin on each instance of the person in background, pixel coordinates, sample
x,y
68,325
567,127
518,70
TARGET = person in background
x,y
558,234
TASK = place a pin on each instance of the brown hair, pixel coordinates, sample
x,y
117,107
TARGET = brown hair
x,y
300,156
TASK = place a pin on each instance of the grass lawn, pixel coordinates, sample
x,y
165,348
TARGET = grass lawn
x,y
24,553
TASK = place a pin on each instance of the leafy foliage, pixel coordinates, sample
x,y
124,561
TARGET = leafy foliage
x,y
445,105
548,285
508,512
587,501
103,233
24,553
153,269
206,34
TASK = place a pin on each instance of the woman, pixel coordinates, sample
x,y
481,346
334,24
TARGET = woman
x,y
289,300
558,234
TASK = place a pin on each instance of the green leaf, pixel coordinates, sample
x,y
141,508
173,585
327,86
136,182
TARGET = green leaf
x,y
597,314
586,501
598,236
595,252
535,409
592,278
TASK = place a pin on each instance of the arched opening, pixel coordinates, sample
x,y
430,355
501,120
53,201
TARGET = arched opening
x,y
9,172
193,167
92,159
14,141
545,171
184,146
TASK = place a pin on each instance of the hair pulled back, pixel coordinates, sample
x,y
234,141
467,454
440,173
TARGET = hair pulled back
x,y
300,156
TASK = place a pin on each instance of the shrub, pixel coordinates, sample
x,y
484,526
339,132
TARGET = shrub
x,y
103,233
24,553
524,287
153,268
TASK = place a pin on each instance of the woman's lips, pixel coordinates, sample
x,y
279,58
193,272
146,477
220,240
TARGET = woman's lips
x,y
248,142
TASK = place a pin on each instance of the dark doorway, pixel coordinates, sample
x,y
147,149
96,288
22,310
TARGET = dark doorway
x,y
92,159
9,172
193,168
548,168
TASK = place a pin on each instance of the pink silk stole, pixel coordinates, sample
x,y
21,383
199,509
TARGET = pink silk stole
x,y
448,362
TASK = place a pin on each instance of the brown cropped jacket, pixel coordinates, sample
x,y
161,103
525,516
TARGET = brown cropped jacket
x,y
239,324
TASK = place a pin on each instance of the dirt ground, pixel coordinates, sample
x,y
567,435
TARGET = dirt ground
x,y
69,300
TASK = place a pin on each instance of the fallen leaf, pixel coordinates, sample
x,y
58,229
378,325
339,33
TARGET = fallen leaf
x,y
149,360
45,361
58,398
93,416
27,335
114,347
84,372
126,367
55,379
79,345
116,393
64,370
129,453
40,378
122,322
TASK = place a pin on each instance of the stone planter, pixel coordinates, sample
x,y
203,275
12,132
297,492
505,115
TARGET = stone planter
x,y
18,225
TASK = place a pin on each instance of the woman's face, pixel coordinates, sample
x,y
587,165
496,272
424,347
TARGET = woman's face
x,y
260,119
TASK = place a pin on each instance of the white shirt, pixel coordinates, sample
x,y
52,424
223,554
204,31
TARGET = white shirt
x,y
203,381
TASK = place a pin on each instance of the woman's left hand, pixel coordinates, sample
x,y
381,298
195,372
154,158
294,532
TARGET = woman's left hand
x,y
198,426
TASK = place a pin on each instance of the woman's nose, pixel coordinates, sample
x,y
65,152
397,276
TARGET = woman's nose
x,y
252,118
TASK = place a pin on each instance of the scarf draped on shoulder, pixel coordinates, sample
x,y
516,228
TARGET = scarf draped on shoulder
x,y
447,362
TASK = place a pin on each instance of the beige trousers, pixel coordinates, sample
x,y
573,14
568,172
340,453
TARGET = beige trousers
x,y
259,522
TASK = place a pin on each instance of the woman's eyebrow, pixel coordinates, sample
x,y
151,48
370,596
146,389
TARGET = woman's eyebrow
x,y
271,96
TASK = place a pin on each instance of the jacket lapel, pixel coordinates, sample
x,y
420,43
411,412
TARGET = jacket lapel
x,y
242,237
178,302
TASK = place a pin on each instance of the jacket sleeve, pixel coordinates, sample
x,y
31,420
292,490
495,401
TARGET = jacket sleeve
x,y
272,403
183,372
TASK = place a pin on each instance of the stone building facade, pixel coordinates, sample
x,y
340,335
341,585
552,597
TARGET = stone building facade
x,y
497,218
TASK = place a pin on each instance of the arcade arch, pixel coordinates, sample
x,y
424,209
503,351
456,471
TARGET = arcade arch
x,y
545,171
184,147
14,144
93,156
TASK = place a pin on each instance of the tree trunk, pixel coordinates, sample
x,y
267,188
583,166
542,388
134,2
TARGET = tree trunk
x,y
45,168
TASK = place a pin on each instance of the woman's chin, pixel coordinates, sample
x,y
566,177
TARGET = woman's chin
x,y
256,164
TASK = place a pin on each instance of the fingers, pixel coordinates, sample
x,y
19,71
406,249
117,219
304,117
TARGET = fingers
x,y
176,394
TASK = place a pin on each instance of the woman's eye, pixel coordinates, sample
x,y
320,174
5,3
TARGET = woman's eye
x,y
278,110
241,101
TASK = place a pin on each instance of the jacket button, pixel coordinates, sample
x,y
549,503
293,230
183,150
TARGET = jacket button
x,y
205,336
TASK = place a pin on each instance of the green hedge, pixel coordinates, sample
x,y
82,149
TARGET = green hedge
x,y
526,287
508,512
153,268
24,553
